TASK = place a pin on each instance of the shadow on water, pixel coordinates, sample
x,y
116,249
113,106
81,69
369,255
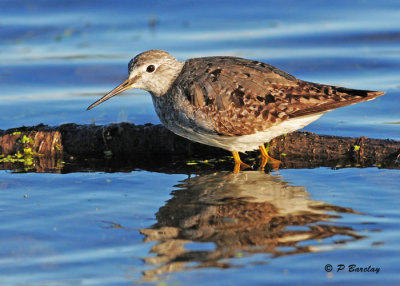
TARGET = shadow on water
x,y
239,215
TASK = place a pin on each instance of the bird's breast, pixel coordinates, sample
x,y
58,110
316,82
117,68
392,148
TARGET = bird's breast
x,y
179,116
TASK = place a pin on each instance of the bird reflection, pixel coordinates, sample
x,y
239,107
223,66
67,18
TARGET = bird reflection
x,y
238,215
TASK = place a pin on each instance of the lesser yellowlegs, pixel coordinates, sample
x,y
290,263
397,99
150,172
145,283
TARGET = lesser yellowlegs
x,y
231,103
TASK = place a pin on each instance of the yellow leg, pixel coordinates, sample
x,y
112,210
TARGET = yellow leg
x,y
239,165
265,158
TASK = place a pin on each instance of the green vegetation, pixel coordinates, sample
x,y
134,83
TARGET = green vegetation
x,y
25,157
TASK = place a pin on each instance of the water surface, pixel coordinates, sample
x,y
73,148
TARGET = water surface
x,y
115,229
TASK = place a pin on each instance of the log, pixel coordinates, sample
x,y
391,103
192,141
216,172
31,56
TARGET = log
x,y
126,146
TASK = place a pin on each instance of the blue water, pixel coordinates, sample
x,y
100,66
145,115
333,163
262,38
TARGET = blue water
x,y
57,57
87,228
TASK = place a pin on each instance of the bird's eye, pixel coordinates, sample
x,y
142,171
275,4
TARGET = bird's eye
x,y
150,68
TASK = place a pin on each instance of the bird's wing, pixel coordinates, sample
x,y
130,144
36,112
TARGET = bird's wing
x,y
242,96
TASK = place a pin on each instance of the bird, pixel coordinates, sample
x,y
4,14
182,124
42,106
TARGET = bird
x,y
229,102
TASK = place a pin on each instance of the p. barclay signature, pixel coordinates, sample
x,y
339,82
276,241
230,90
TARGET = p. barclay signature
x,y
352,268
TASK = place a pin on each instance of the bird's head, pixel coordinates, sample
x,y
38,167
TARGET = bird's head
x,y
153,71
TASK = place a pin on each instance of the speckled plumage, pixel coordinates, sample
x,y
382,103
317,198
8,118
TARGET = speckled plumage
x,y
232,103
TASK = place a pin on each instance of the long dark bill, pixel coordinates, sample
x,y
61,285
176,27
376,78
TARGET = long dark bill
x,y
122,87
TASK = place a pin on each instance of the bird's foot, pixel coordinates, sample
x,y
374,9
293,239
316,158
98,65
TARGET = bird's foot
x,y
239,164
268,159
274,163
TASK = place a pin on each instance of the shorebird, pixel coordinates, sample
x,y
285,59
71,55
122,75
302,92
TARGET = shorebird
x,y
231,103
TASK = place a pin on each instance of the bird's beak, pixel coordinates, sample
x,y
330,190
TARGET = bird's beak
x,y
127,84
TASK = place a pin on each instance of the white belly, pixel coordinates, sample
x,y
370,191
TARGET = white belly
x,y
247,142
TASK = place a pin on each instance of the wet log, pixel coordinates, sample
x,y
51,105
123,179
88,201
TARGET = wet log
x,y
127,146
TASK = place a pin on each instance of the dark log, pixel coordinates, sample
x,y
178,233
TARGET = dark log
x,y
125,146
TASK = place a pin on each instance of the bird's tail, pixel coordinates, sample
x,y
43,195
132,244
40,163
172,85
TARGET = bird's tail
x,y
359,94
335,97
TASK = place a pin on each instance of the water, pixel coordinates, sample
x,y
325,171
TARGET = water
x,y
115,229
57,57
